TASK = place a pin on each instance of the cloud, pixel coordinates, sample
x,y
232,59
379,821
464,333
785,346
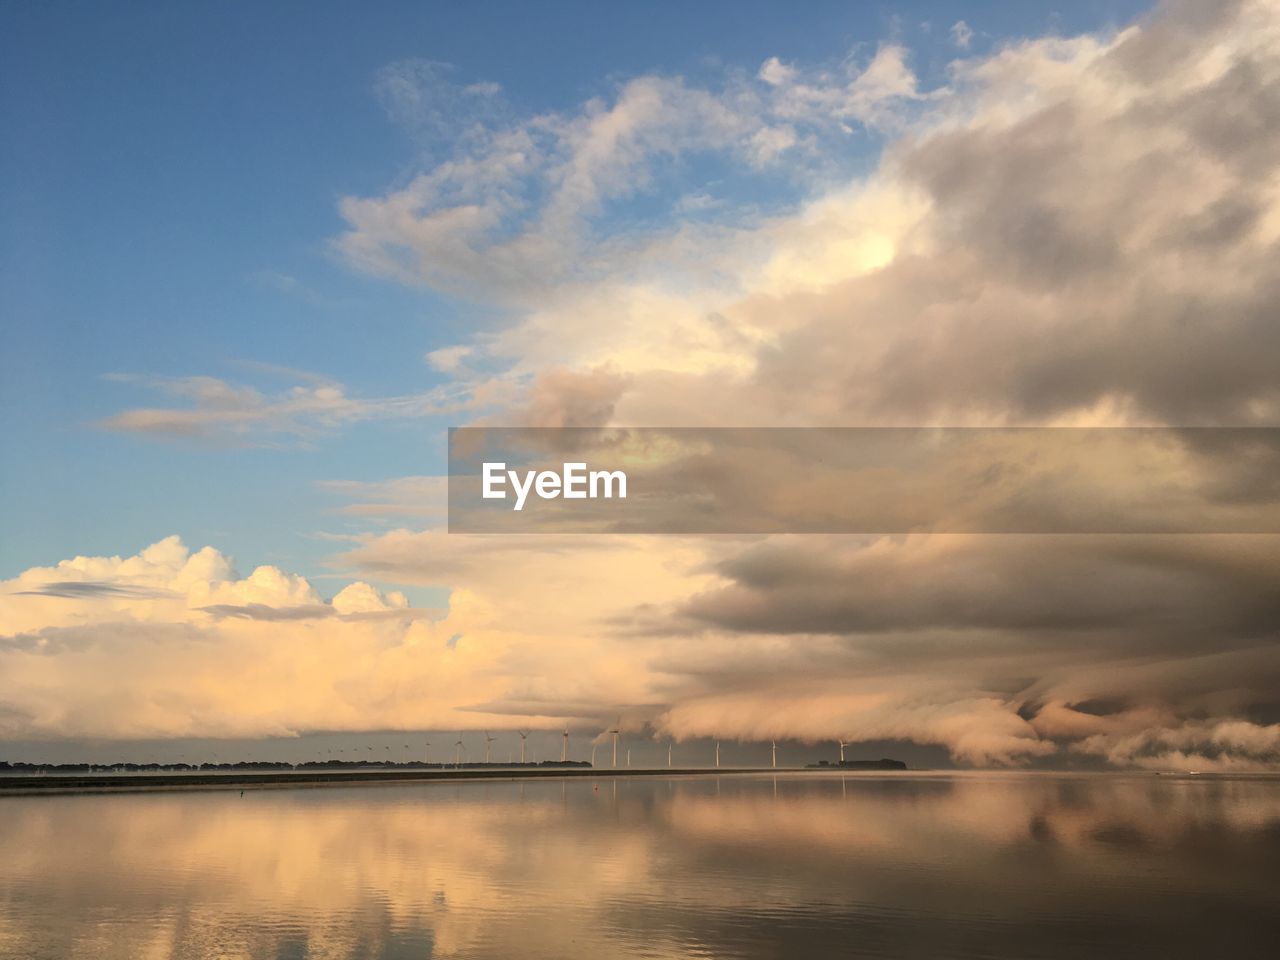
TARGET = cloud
x,y
82,589
220,411
261,611
995,646
363,598
195,649
566,398
518,206
1059,235
775,73
1159,589
191,647
448,359
1226,746
1004,651
392,499
420,96
961,34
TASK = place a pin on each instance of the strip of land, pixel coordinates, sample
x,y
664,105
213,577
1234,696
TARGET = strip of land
x,y
16,785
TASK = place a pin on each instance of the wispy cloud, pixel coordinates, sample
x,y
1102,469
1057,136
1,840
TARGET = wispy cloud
x,y
510,206
93,589
401,497
223,411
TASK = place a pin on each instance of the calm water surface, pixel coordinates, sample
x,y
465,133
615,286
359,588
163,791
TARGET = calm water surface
x,y
1017,866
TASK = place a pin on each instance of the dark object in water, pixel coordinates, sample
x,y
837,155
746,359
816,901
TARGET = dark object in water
x,y
883,764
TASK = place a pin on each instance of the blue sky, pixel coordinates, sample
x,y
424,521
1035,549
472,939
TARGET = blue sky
x,y
172,175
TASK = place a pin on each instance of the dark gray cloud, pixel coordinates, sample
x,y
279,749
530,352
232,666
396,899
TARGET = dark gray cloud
x,y
262,611
93,590
878,480
311,611
1132,648
1162,590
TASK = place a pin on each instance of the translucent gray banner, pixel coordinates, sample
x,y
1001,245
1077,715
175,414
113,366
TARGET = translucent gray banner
x,y
864,480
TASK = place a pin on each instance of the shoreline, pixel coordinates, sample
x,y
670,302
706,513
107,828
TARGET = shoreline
x,y
62,784
19,785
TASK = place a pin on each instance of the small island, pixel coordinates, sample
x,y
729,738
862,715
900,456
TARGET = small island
x,y
882,764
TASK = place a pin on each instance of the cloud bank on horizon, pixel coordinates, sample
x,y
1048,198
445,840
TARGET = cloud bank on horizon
x,y
1069,231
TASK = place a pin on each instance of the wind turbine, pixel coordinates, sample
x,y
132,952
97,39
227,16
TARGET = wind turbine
x,y
426,754
842,746
775,754
615,731
564,747
593,754
717,754
487,740
524,736
628,756
668,754
457,757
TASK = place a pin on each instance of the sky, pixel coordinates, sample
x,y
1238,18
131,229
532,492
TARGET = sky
x,y
255,262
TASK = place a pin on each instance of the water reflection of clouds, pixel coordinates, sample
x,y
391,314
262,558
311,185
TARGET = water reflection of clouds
x,y
604,867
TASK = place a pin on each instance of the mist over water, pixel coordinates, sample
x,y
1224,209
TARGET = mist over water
x,y
919,865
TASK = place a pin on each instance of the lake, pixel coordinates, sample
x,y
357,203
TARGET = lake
x,y
1015,865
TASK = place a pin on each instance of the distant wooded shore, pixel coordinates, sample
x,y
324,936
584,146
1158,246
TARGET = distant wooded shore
x,y
123,778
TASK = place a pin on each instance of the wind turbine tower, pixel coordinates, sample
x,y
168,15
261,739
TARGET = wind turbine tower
x,y
615,731
487,741
775,754
842,746
564,747
717,754
457,756
524,739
